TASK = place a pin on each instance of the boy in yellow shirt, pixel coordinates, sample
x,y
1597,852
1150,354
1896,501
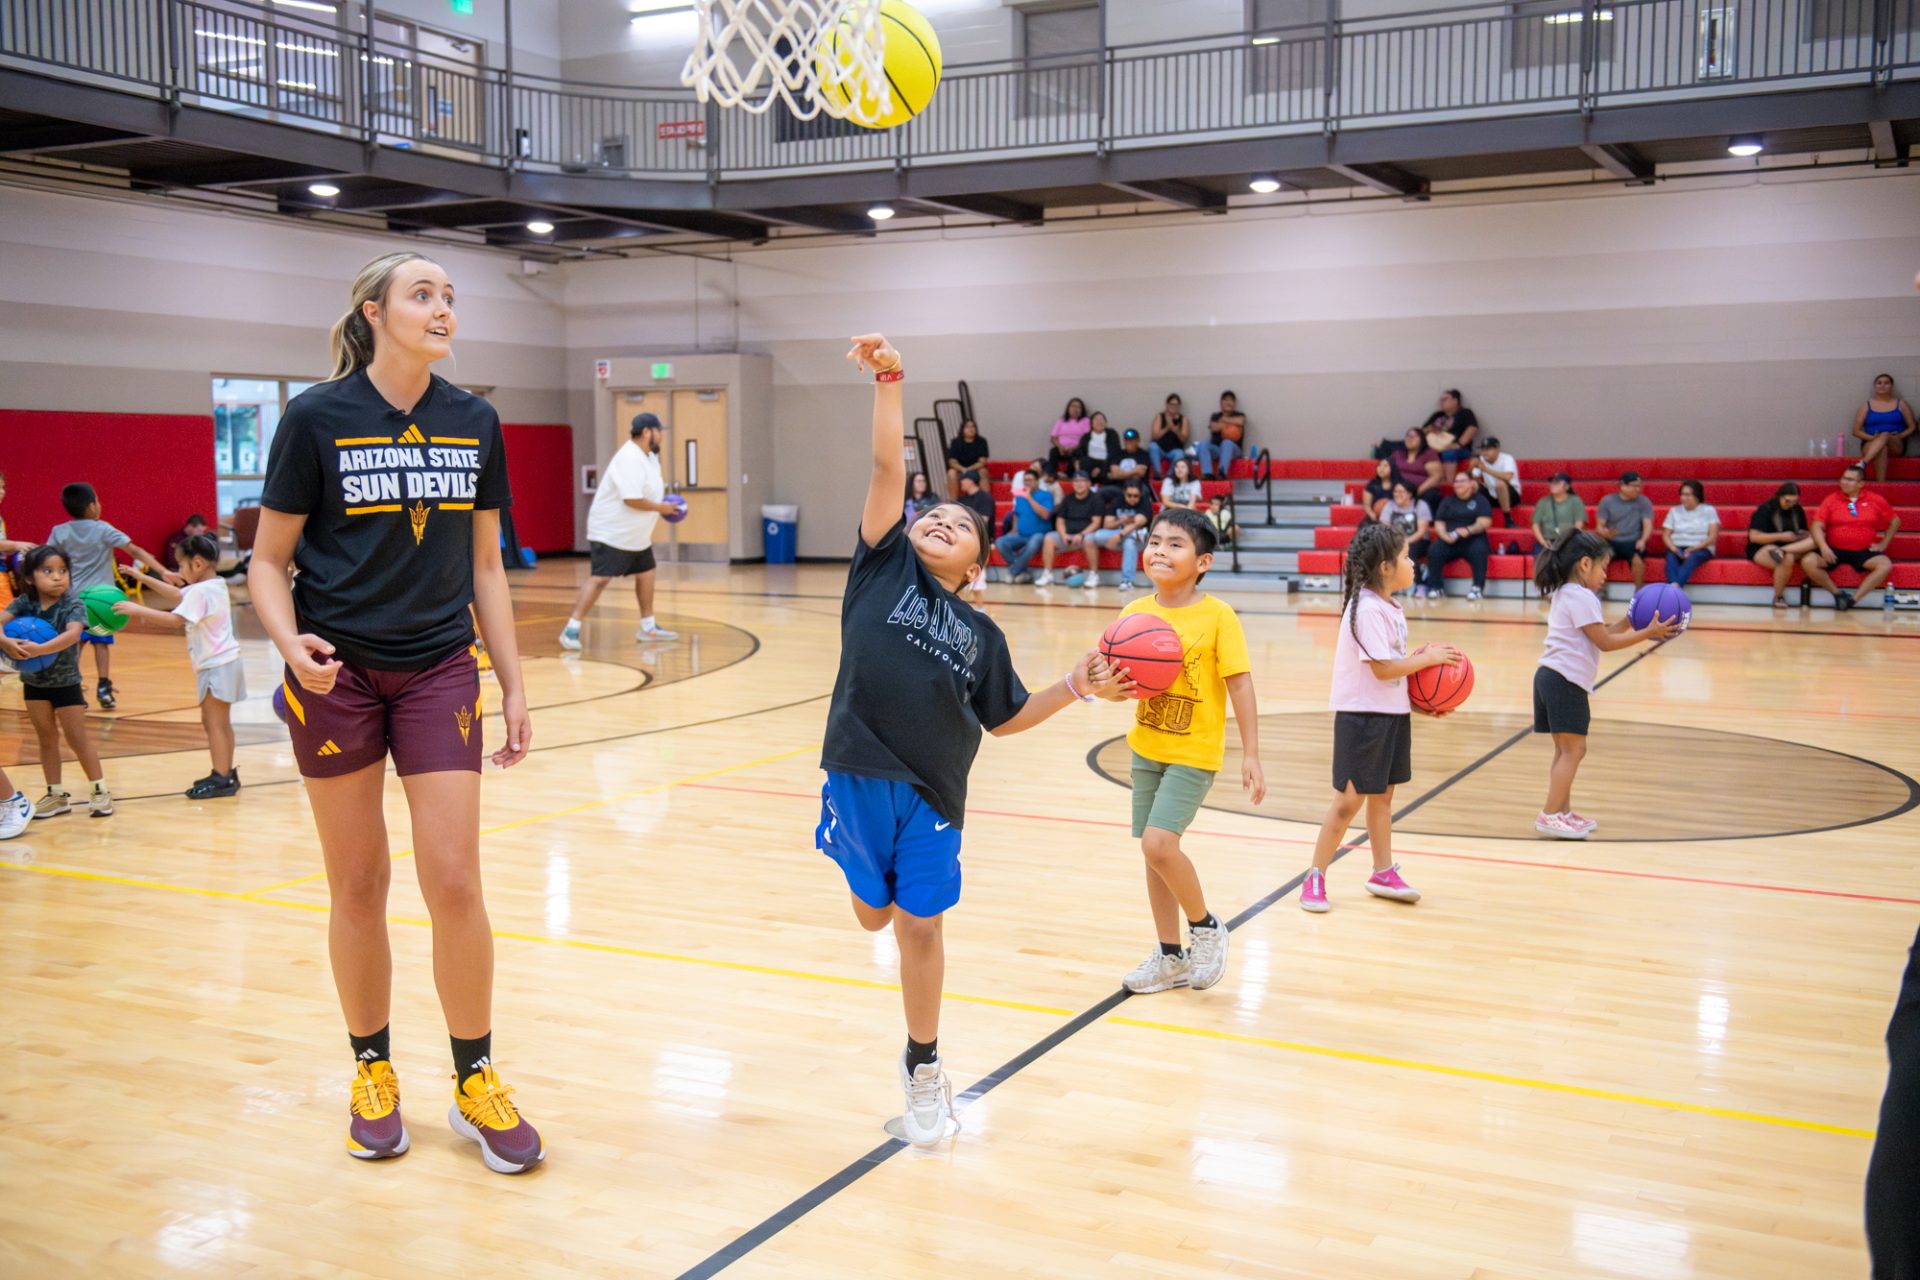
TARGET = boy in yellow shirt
x,y
1179,741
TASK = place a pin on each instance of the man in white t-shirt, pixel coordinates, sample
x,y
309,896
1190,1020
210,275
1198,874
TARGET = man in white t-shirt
x,y
620,523
1500,473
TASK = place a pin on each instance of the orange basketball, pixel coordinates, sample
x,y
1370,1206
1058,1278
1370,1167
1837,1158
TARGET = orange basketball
x,y
1148,648
1441,688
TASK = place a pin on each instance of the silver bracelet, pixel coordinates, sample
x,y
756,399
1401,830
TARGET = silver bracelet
x,y
1067,679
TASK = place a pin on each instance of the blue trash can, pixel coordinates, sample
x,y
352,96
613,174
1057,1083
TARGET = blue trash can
x,y
782,526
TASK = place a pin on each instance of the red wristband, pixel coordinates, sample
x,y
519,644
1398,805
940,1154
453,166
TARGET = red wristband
x,y
892,375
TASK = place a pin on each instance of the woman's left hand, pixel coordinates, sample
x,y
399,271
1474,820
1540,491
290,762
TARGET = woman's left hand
x,y
519,731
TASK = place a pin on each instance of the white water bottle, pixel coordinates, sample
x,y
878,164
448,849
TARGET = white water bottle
x,y
1823,448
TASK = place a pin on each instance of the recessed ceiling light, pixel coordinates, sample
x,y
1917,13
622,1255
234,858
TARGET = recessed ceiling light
x,y
1264,183
325,190
1746,144
880,212
540,228
1266,40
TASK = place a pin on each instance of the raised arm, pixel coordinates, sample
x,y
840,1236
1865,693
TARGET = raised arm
x,y
871,351
160,569
165,592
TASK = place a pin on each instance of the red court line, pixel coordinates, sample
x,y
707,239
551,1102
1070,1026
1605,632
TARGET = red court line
x,y
1421,853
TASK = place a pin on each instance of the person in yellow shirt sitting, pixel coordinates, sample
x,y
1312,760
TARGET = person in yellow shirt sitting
x,y
1179,741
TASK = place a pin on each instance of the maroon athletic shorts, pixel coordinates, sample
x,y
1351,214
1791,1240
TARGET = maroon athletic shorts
x,y
429,720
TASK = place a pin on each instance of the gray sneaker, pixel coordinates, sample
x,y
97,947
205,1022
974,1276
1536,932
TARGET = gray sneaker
x,y
52,804
1208,947
1158,972
643,635
101,803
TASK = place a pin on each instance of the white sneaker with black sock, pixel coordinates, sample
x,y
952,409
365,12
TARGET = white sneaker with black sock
x,y
929,1102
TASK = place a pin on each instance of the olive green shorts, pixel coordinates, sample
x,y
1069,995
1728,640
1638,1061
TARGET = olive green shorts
x,y
1167,796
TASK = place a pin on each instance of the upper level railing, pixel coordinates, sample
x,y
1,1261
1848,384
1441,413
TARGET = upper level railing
x,y
1521,57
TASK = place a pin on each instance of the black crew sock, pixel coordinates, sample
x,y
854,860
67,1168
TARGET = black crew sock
x,y
1209,923
1171,949
918,1053
373,1048
469,1056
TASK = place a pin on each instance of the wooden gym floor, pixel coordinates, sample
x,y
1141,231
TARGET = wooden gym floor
x,y
1653,1055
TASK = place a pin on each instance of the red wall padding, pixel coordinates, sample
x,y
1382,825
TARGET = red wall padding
x,y
540,469
151,470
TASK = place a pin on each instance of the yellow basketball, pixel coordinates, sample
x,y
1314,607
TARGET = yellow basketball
x,y
912,61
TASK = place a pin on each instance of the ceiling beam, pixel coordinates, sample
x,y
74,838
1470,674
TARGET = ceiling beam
x,y
1388,180
1000,208
1169,191
230,172
706,224
1886,142
56,135
835,220
1620,160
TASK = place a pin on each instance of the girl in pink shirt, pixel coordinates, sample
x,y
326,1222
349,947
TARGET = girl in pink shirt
x,y
1372,716
1066,435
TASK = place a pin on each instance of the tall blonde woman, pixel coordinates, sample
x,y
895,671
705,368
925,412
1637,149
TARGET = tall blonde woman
x,y
384,489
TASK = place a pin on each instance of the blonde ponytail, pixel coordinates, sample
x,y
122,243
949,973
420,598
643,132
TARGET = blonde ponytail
x,y
352,338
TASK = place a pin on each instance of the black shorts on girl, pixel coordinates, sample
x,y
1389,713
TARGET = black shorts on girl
x,y
1559,705
429,720
1371,749
60,695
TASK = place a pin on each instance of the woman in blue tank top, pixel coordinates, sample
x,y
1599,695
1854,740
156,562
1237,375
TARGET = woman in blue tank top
x,y
1882,426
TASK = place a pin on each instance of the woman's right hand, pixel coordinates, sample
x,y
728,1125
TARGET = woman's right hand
x,y
315,674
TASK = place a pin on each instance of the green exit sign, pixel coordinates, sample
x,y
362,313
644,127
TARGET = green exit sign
x,y
463,7
662,370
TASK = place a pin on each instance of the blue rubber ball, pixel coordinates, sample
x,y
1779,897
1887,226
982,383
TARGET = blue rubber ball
x,y
32,631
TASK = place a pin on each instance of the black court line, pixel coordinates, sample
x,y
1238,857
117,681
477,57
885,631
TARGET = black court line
x,y
833,1185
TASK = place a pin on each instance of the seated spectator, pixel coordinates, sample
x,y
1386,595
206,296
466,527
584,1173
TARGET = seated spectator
x,y
968,454
195,526
1170,436
1067,434
1777,537
1452,431
1412,516
1227,437
919,496
1134,463
1459,533
1032,519
1379,491
1853,527
1691,528
1418,465
1560,511
1182,488
1625,520
1500,473
1883,426
1098,451
976,497
1130,514
1079,524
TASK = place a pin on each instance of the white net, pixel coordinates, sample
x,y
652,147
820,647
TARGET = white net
x,y
816,56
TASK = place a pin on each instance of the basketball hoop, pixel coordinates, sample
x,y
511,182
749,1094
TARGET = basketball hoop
x,y
752,53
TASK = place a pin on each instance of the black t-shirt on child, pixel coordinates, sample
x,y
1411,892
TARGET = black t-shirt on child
x,y
921,673
386,558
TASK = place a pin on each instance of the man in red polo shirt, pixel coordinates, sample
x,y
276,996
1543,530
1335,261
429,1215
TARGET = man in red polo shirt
x,y
1854,528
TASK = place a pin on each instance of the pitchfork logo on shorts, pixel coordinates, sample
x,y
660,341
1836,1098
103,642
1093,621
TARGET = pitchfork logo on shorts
x,y
463,718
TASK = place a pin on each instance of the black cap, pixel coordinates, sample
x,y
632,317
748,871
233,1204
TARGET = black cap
x,y
643,422
1561,476
1130,434
1491,442
1629,477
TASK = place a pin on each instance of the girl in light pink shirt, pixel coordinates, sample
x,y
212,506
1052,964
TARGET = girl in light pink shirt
x,y
1372,715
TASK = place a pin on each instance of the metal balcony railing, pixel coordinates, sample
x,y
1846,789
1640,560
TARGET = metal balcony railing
x,y
1521,57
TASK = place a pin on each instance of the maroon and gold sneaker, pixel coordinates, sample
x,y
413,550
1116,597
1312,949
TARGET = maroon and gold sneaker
x,y
482,1113
375,1132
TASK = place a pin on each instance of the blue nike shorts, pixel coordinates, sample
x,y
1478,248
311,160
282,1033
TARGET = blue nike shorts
x,y
893,847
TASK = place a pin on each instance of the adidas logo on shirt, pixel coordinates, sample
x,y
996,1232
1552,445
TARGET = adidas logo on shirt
x,y
412,435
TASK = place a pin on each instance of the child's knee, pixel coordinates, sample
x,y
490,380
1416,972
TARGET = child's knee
x,y
915,932
1160,846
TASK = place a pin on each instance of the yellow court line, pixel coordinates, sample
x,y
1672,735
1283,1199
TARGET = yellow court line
x,y
363,440
1494,1077
136,883
561,813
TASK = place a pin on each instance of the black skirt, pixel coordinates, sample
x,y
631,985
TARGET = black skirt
x,y
1372,750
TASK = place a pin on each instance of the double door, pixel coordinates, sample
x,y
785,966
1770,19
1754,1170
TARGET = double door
x,y
693,461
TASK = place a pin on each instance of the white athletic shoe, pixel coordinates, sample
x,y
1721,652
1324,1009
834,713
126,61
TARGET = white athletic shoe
x,y
1208,947
645,634
1474,593
1045,579
100,803
1158,972
929,1102
570,639
15,814
1557,826
1093,580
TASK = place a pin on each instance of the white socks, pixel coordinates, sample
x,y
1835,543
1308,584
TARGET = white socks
x,y
573,624
646,624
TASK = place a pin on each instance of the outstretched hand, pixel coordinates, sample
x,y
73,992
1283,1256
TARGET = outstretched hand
x,y
873,352
1107,680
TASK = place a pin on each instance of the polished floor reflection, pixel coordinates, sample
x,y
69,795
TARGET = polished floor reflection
x,y
1654,1057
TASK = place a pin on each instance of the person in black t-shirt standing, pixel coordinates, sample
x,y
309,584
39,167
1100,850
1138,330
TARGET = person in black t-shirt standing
x,y
1459,533
384,489
921,674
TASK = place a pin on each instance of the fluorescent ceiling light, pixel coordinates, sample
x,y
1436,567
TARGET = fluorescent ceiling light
x,y
1266,39
540,228
1558,19
880,212
313,49
1746,144
298,84
1264,183
313,6
325,190
222,35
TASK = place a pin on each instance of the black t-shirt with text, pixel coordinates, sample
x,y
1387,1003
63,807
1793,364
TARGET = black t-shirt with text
x,y
1080,513
921,674
1459,516
386,557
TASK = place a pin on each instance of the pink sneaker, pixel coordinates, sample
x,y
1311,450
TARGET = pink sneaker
x,y
1313,891
1557,826
1388,884
1579,821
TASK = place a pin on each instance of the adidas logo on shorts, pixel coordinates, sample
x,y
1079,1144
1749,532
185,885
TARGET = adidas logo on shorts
x,y
329,748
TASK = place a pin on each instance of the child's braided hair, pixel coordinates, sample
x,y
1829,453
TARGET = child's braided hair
x,y
1374,549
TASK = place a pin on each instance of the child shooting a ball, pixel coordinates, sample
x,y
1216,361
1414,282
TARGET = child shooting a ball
x,y
921,674
1179,742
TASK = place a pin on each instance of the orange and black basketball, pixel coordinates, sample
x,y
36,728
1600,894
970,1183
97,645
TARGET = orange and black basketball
x,y
1148,648
1441,688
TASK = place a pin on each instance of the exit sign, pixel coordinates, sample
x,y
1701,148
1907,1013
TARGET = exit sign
x,y
662,370
463,7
